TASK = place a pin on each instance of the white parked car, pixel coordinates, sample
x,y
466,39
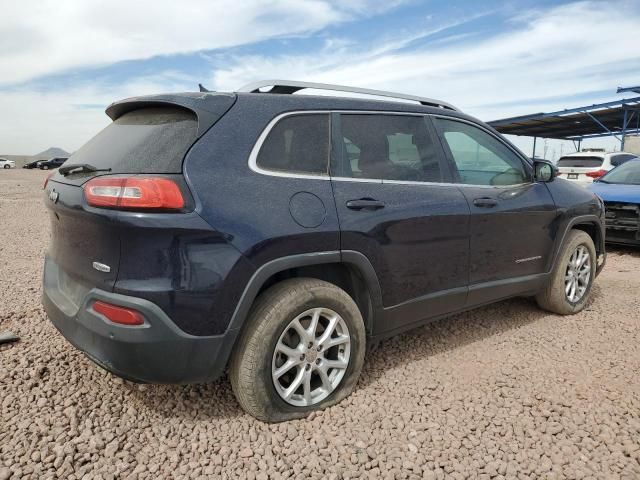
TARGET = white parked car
x,y
4,163
585,167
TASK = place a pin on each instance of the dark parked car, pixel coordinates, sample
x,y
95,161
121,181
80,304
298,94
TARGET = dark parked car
x,y
33,164
51,163
275,234
620,190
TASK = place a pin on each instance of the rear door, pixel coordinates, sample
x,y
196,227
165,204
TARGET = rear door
x,y
512,217
393,207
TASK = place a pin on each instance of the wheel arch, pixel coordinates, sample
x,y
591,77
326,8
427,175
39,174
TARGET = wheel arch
x,y
593,230
349,270
590,224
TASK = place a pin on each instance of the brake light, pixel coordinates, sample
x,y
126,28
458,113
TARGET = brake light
x,y
597,174
121,315
134,192
46,180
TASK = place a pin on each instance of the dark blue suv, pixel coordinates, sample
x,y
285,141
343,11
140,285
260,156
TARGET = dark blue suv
x,y
274,235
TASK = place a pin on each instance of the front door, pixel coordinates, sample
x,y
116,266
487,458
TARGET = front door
x,y
393,208
511,215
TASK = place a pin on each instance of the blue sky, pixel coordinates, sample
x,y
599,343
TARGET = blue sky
x,y
61,63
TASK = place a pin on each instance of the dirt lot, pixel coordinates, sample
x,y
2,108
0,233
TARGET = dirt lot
x,y
507,391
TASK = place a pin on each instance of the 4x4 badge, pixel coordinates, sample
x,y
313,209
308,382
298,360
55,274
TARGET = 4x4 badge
x,y
53,196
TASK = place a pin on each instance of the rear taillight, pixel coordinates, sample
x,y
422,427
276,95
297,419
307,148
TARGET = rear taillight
x,y
134,192
46,180
597,174
121,315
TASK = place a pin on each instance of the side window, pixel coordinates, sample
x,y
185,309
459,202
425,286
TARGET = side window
x,y
297,144
620,159
480,158
388,147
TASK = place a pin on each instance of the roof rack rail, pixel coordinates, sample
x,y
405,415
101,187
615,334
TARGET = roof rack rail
x,y
288,87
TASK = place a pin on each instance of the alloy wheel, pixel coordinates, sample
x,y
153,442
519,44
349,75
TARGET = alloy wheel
x,y
578,274
311,357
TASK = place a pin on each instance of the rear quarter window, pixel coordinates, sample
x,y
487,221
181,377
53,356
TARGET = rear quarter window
x,y
297,144
584,162
147,140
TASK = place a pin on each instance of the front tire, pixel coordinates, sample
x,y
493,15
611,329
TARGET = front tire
x,y
572,278
302,350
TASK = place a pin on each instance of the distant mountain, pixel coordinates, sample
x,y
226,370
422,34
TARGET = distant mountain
x,y
52,152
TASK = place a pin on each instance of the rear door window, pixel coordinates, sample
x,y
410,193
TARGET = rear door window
x,y
388,147
580,162
297,144
147,140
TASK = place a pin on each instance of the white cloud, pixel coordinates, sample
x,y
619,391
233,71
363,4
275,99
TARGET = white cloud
x,y
545,57
52,36
573,49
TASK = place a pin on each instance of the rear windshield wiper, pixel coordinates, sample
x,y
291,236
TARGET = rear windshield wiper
x,y
80,168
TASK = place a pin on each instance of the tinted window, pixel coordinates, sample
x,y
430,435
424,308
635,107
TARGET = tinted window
x,y
628,173
297,144
388,147
149,140
585,162
480,158
621,158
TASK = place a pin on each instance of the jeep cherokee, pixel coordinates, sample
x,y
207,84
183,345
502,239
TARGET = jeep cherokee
x,y
275,235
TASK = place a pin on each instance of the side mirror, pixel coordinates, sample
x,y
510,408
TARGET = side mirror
x,y
544,171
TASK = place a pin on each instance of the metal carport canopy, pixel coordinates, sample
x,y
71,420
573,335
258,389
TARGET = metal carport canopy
x,y
616,118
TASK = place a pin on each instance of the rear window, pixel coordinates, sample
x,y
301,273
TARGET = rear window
x,y
586,162
148,140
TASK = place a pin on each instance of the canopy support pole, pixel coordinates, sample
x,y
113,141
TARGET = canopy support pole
x,y
533,154
602,125
624,129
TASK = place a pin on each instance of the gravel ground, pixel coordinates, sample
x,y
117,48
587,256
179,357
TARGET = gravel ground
x,y
506,391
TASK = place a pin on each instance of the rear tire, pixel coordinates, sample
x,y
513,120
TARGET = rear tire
x,y
272,361
572,278
45,167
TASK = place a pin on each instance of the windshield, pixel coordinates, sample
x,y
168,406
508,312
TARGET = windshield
x,y
587,162
628,173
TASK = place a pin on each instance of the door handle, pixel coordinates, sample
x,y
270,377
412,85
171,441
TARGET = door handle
x,y
485,202
365,204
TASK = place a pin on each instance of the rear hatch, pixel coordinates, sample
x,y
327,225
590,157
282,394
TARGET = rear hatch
x,y
147,138
576,167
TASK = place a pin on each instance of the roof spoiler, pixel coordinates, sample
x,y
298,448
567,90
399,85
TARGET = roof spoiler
x,y
208,107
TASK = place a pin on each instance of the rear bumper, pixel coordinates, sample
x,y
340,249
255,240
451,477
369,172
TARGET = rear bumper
x,y
156,352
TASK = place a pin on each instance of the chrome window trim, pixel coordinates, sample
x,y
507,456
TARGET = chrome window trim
x,y
410,182
253,156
